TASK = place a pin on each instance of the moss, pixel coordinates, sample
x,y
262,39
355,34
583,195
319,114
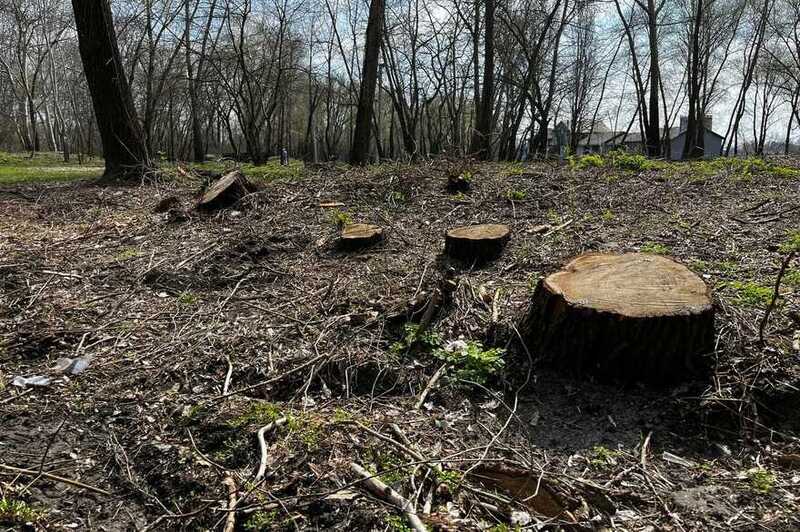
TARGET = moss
x,y
187,298
261,520
791,243
608,215
257,413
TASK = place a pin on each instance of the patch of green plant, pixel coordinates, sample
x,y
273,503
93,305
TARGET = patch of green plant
x,y
426,341
389,468
471,361
273,170
590,160
654,248
467,176
261,520
761,480
340,218
127,253
792,243
751,293
395,523
784,171
604,456
398,197
451,479
257,413
553,217
340,415
187,298
307,430
514,169
516,195
11,175
792,278
503,527
17,512
608,215
624,160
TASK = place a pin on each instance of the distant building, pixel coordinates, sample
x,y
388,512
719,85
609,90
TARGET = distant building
x,y
602,140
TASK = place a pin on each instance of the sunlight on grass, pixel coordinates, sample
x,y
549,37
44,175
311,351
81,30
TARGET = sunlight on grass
x,y
18,168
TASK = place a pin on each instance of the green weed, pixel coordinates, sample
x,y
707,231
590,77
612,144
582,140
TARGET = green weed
x,y
471,361
792,242
340,218
655,248
18,512
516,195
261,520
426,341
608,215
591,160
751,294
761,480
257,413
187,298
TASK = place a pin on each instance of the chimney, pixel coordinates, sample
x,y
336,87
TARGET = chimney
x,y
708,121
684,123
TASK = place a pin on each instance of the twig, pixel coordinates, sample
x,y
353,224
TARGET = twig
x,y
775,295
230,522
227,384
269,427
57,478
431,383
381,490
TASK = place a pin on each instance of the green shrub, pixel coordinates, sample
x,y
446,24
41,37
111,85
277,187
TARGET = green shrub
x,y
761,480
516,195
590,160
17,512
629,161
340,218
426,341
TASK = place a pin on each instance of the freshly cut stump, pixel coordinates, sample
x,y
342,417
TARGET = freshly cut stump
x,y
477,243
226,191
357,236
631,317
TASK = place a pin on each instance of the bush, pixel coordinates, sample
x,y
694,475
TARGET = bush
x,y
591,160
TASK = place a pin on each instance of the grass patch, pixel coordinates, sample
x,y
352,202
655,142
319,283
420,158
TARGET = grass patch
x,y
259,413
761,480
655,248
751,294
45,167
18,512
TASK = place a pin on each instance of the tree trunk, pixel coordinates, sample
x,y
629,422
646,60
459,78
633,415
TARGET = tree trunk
x,y
369,80
482,137
120,132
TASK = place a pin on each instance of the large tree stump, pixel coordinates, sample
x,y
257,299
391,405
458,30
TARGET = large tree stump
x,y
631,317
226,191
476,243
357,236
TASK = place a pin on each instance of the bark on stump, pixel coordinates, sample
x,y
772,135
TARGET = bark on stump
x,y
357,236
226,191
476,243
631,317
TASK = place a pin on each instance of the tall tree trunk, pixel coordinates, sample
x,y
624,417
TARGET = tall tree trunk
x,y
359,154
482,138
120,132
652,132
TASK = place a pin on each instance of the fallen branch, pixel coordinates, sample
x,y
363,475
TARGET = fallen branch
x,y
382,491
230,522
431,383
262,443
775,295
57,478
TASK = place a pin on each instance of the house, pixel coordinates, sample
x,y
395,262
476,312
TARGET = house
x,y
604,141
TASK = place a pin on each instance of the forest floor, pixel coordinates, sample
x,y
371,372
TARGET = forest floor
x,y
199,329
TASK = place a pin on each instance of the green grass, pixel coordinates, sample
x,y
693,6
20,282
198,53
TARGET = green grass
x,y
18,168
751,294
654,248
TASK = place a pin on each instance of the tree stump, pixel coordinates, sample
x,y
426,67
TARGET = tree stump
x,y
226,191
357,236
477,243
631,317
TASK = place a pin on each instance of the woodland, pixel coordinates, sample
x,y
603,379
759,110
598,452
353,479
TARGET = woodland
x,y
400,266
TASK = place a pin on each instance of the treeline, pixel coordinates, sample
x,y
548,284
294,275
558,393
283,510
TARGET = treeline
x,y
246,78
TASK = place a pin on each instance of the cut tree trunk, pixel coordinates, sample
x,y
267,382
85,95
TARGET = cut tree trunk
x,y
226,191
477,243
357,236
631,317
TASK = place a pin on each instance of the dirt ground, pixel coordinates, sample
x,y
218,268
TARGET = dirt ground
x,y
199,329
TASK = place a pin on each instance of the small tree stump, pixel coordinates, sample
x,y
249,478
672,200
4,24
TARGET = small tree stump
x,y
478,243
631,317
357,236
226,191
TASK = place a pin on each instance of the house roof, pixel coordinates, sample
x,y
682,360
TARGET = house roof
x,y
636,137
